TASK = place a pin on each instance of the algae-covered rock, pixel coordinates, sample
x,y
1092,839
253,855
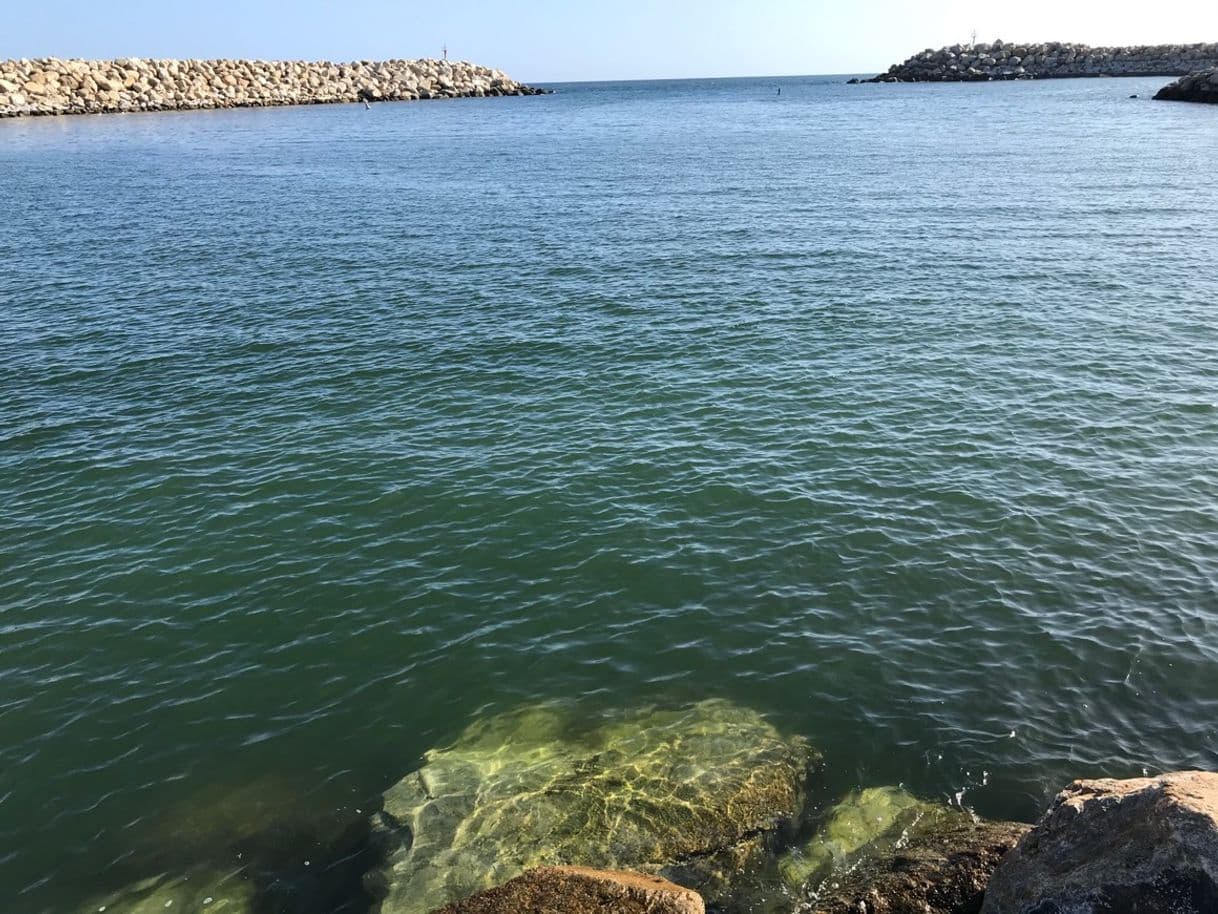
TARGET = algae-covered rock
x,y
939,870
539,787
193,893
884,851
578,890
867,822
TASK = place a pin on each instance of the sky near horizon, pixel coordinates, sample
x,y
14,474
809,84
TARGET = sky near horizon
x,y
553,41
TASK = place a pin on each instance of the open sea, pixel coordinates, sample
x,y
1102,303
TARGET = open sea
x,y
888,411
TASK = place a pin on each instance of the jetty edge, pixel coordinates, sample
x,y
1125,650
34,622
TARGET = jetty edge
x,y
1002,60
51,86
1196,87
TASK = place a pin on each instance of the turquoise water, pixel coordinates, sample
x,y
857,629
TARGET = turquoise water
x,y
890,411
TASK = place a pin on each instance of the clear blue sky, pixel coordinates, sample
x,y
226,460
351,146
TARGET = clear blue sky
x,y
549,40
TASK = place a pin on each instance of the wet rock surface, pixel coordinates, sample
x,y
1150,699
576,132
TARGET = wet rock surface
x,y
52,86
1002,60
578,890
884,851
700,790
1196,87
943,870
1147,845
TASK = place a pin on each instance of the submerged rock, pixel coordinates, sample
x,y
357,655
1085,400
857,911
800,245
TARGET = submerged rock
x,y
1148,845
299,855
940,870
578,890
701,787
194,893
884,851
866,822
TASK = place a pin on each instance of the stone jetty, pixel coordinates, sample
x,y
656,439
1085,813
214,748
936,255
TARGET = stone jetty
x,y
1053,60
1196,87
54,86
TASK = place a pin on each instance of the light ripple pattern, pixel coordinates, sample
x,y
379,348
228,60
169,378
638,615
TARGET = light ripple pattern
x,y
888,411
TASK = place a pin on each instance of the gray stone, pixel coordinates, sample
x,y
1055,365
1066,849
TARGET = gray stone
x,y
1197,87
1148,845
67,87
1058,60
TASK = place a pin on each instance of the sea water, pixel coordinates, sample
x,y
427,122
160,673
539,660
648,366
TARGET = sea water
x,y
890,412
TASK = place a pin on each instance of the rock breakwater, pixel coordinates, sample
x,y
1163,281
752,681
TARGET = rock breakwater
x,y
1196,87
54,86
1052,60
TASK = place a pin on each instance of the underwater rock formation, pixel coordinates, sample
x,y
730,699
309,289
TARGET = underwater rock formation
x,y
938,870
577,890
294,855
884,851
702,787
194,893
860,824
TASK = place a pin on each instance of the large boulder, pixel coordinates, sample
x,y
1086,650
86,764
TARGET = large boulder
x,y
696,789
1198,87
884,851
579,890
1148,845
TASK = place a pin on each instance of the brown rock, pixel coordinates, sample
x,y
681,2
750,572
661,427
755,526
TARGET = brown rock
x,y
944,871
1148,845
578,890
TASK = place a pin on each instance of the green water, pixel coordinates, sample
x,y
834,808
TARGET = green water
x,y
889,412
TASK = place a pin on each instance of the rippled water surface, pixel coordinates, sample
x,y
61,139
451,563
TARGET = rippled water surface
x,y
890,411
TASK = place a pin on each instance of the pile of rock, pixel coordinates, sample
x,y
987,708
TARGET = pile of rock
x,y
1196,87
1052,60
553,810
53,86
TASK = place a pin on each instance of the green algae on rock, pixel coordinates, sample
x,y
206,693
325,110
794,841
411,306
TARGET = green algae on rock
x,y
867,822
941,870
192,893
884,851
643,791
578,890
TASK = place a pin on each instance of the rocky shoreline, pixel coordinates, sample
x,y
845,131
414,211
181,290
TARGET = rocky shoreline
x,y
1196,87
49,86
684,811
1001,60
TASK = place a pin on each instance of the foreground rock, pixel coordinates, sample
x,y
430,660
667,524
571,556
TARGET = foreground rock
x,y
195,893
1196,87
1053,60
696,792
884,851
578,890
54,86
1148,846
943,870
